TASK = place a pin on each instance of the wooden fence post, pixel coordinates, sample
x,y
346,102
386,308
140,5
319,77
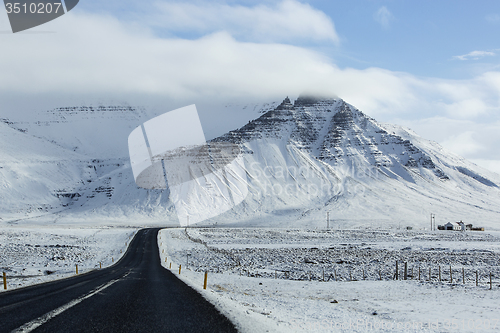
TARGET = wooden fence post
x,y
418,273
477,280
397,271
406,271
491,284
451,275
180,269
205,280
429,273
4,281
463,274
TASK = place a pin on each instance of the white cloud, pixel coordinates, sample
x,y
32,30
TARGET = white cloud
x,y
476,140
101,57
492,165
463,143
474,55
92,54
493,18
287,21
383,16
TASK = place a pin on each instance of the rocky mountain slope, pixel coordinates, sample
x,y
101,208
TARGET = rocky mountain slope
x,y
358,170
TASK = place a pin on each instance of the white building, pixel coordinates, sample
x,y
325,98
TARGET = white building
x,y
457,226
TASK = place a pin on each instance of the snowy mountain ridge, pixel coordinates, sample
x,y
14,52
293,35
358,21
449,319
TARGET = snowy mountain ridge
x,y
303,159
332,130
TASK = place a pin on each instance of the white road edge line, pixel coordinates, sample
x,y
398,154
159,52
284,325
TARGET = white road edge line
x,y
30,326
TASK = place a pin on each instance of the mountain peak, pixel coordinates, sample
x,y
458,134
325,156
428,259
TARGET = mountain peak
x,y
285,105
310,100
336,133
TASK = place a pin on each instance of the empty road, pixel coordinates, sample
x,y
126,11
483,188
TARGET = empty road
x,y
135,295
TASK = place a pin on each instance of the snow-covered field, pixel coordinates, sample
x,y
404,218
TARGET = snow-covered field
x,y
342,280
30,255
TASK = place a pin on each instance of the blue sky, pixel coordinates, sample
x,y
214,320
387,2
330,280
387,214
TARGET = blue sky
x,y
432,66
419,37
424,38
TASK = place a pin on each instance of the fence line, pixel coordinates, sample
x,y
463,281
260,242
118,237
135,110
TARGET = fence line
x,y
398,271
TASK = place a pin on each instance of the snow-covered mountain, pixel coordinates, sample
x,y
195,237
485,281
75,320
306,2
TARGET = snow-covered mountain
x,y
324,155
72,163
303,159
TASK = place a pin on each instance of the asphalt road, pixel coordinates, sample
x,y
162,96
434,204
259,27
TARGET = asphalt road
x,y
135,295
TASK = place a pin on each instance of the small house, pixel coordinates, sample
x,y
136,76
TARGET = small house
x,y
453,226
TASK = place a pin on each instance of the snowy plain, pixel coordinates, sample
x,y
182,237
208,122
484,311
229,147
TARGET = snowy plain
x,y
272,279
36,254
